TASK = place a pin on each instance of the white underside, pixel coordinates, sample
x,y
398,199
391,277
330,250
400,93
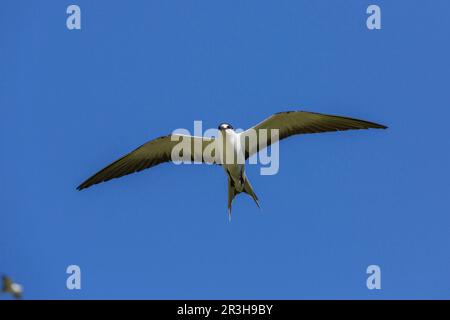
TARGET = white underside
x,y
233,168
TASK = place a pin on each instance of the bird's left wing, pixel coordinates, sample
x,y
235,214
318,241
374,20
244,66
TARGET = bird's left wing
x,y
300,122
149,155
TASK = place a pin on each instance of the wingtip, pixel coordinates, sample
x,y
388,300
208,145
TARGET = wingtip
x,y
379,126
374,125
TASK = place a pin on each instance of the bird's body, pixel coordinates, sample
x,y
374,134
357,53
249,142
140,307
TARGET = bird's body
x,y
233,168
8,286
231,149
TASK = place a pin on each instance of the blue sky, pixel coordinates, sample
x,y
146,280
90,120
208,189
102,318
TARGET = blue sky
x,y
73,101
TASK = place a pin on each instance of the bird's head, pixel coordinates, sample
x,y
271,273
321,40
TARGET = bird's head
x,y
225,126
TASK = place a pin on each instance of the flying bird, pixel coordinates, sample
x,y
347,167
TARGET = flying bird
x,y
288,124
8,286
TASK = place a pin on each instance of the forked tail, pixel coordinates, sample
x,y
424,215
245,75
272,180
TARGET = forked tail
x,y
232,192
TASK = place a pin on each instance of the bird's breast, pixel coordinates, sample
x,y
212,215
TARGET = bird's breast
x,y
230,148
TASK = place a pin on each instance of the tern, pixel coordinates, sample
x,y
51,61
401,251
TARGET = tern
x,y
11,287
287,123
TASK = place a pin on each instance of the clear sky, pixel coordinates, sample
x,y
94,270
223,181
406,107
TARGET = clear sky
x,y
73,101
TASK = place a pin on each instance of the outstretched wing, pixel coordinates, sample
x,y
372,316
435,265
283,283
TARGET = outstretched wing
x,y
149,155
6,284
298,122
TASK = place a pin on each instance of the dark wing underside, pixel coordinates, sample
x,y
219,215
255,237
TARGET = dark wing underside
x,y
146,156
6,283
301,122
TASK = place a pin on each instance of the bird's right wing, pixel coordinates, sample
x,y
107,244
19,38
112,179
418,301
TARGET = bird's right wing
x,y
6,283
151,154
